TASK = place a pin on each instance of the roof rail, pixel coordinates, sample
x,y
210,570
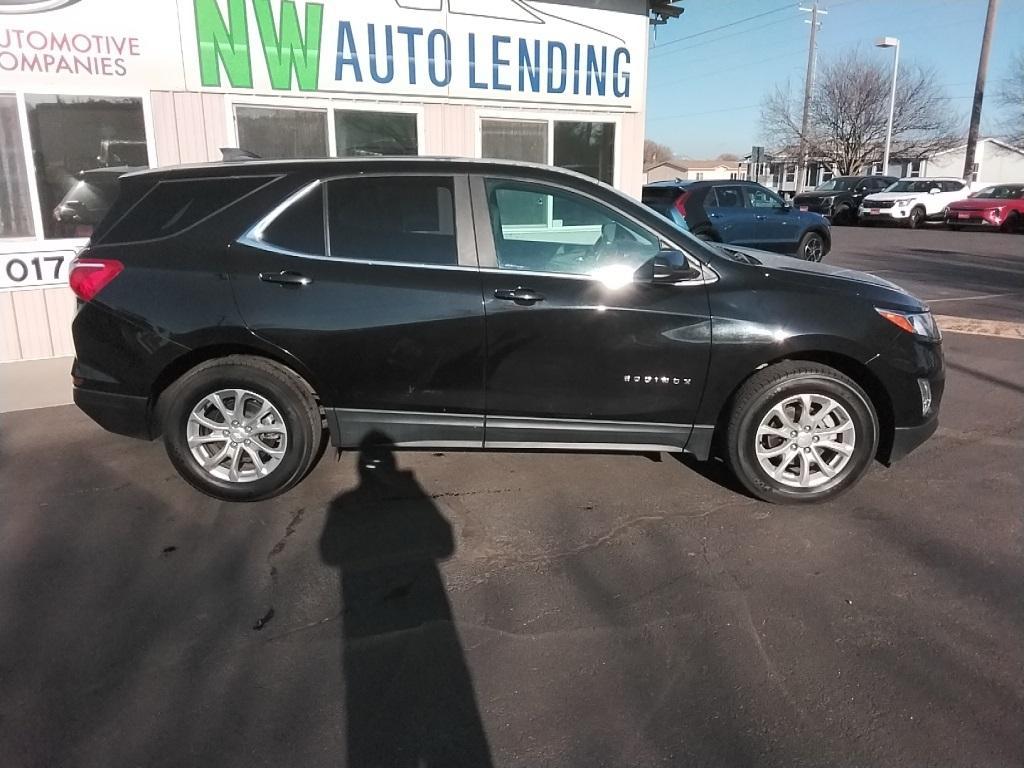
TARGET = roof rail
x,y
237,155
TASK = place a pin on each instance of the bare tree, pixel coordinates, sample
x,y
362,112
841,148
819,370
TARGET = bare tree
x,y
729,157
656,153
849,112
1011,95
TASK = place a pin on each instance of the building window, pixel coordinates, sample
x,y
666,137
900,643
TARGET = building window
x,y
72,135
282,134
700,175
588,148
15,205
585,147
915,169
732,175
876,169
361,133
790,174
974,172
827,174
520,140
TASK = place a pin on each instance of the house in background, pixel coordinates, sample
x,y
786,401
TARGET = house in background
x,y
683,169
995,162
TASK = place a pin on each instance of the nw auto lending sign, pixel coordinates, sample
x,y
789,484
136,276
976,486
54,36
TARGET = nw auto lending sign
x,y
500,50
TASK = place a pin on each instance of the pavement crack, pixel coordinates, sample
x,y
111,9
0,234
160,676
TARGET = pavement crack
x,y
293,524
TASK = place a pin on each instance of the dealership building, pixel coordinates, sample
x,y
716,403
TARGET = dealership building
x,y
89,88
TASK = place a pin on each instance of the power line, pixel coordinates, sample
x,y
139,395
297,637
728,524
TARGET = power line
x,y
726,37
723,26
718,71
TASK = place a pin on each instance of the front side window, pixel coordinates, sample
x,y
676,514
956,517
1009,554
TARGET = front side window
x,y
838,184
566,233
72,136
524,141
1001,192
757,197
409,219
15,205
361,133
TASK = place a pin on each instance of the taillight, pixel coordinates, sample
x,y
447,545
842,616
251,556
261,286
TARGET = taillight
x,y
681,204
90,276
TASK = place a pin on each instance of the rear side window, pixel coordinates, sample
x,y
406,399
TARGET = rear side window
x,y
173,206
406,218
300,227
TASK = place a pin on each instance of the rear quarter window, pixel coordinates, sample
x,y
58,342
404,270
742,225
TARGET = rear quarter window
x,y
170,207
660,199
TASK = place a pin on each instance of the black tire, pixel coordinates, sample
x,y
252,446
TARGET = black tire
x,y
953,227
843,216
1012,224
288,393
775,385
811,247
917,217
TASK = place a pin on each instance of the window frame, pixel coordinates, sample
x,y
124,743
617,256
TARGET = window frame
x,y
465,240
552,117
485,236
330,105
38,241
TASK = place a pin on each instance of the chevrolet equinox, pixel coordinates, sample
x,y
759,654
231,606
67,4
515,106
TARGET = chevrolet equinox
x,y
251,312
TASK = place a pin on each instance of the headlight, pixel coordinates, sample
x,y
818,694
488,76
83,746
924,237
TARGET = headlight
x,y
827,202
917,323
904,202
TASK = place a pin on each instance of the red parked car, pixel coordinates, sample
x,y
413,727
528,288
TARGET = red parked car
x,y
998,207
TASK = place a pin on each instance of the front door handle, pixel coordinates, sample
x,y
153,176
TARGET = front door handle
x,y
519,295
760,217
286,278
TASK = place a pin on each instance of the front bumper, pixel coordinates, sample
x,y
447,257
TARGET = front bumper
x,y
906,439
885,214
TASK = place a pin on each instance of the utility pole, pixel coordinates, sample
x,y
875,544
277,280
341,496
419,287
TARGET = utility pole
x,y
979,91
801,170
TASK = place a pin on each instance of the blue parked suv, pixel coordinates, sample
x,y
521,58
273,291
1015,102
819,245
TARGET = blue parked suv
x,y
741,213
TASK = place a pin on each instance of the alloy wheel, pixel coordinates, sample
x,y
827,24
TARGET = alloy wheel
x,y
814,249
805,441
236,435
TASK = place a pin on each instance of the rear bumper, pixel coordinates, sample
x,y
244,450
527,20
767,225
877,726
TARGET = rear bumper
x,y
906,439
122,414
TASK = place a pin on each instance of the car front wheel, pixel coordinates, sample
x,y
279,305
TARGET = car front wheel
x,y
800,432
812,247
242,428
916,218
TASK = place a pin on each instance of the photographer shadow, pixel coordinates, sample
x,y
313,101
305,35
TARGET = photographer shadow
x,y
409,699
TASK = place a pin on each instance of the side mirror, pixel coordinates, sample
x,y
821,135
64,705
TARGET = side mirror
x,y
934,191
668,266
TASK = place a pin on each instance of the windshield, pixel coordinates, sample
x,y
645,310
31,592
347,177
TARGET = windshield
x,y
911,185
1002,192
840,184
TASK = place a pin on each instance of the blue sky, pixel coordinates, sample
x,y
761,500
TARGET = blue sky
x,y
704,92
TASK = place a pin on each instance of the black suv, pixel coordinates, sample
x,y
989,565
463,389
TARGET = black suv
x,y
251,312
839,198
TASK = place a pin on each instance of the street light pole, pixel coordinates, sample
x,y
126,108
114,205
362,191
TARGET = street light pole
x,y
890,42
808,89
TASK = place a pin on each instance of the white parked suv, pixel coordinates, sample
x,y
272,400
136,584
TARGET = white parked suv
x,y
913,201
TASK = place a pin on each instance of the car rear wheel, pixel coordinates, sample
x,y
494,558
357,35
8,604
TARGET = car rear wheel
x,y
916,218
800,432
242,428
1012,223
812,247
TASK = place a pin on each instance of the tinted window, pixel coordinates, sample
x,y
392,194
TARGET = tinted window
x,y
725,197
407,218
951,186
586,148
300,227
173,206
591,240
758,197
661,199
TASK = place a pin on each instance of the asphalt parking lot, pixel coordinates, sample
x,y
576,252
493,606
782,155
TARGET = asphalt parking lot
x,y
534,609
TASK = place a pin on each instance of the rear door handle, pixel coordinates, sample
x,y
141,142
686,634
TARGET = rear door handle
x,y
286,278
760,217
522,295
